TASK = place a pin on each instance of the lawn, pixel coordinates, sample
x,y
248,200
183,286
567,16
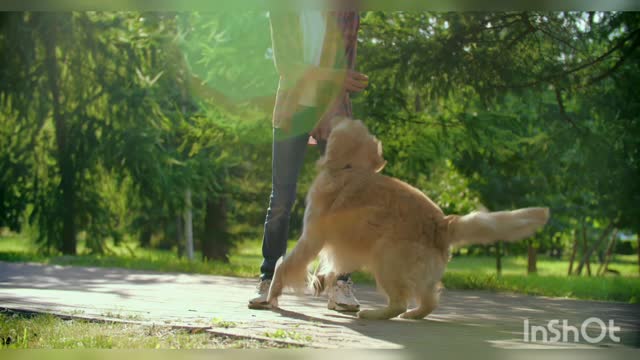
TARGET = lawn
x,y
627,265
19,331
464,272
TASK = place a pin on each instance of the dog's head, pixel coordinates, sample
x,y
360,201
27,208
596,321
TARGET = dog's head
x,y
350,145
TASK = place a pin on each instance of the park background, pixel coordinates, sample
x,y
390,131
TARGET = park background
x,y
127,136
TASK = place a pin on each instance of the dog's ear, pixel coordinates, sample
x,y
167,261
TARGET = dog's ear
x,y
379,161
381,166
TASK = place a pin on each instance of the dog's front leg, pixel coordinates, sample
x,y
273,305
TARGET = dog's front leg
x,y
277,284
291,271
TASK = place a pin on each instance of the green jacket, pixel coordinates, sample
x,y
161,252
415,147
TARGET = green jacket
x,y
288,55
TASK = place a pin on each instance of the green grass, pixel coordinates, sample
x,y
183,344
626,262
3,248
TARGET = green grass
x,y
627,265
113,315
244,262
464,272
624,289
49,332
217,322
288,335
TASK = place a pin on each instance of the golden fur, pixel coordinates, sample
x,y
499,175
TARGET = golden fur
x,y
356,217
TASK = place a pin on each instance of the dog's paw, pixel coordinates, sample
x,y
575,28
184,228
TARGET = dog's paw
x,y
373,314
275,291
274,303
413,315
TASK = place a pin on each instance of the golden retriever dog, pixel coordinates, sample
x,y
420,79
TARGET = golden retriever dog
x,y
357,218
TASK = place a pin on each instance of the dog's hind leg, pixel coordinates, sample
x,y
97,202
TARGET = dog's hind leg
x,y
428,301
397,292
292,270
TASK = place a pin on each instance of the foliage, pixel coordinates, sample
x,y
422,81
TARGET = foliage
x,y
108,119
530,108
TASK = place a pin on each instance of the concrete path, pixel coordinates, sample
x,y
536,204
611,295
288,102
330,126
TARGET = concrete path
x,y
470,320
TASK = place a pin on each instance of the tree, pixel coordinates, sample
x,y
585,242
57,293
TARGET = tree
x,y
107,119
511,95
87,62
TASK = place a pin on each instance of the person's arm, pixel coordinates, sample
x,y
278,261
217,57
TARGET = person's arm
x,y
352,80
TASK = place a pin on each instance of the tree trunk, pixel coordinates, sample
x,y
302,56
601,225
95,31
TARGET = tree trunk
x,y
532,259
603,267
145,237
499,258
573,253
67,185
188,225
418,104
179,239
215,240
585,245
638,241
589,252
65,163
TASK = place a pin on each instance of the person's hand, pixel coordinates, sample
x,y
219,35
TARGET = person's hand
x,y
355,81
322,130
349,80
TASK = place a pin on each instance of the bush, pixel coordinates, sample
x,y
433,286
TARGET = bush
x,y
624,248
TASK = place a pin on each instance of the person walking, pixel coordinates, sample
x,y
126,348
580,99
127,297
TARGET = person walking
x,y
314,53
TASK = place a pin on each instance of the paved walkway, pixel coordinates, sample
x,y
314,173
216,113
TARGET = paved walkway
x,y
466,319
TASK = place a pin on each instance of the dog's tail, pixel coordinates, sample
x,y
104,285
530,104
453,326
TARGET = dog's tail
x,y
324,274
489,227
